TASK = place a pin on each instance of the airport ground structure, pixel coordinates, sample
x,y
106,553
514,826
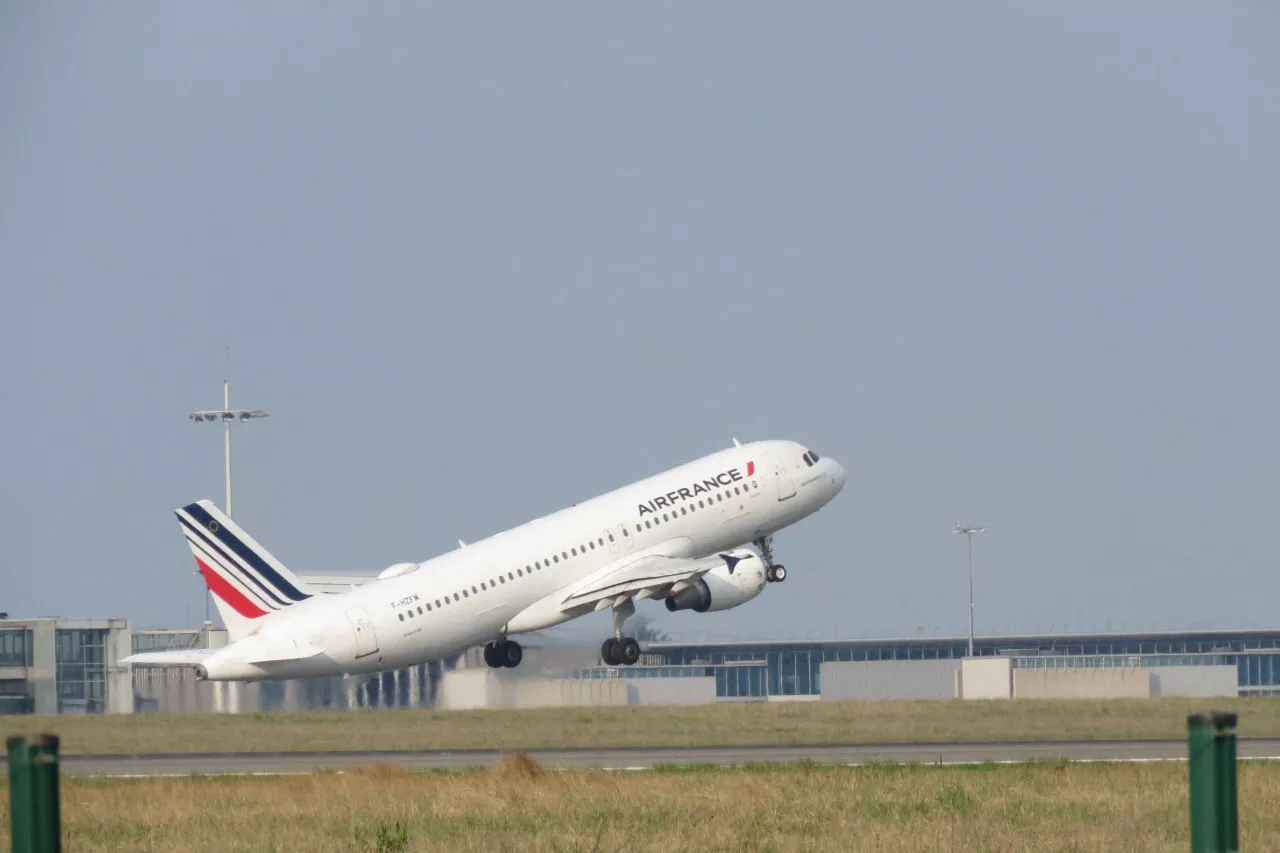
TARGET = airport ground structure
x,y
62,666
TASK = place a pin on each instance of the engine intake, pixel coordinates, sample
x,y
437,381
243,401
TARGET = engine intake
x,y
731,579
694,597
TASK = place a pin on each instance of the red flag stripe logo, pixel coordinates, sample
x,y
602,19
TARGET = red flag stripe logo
x,y
220,587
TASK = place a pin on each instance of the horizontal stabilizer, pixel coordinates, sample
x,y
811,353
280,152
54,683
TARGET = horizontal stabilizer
x,y
277,655
179,657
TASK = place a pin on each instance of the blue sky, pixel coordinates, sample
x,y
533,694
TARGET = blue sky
x,y
1010,265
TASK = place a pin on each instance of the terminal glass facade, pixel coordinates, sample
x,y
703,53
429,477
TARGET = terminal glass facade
x,y
15,647
794,668
164,641
16,652
82,673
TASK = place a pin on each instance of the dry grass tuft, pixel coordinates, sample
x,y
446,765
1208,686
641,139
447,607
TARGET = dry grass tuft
x,y
518,766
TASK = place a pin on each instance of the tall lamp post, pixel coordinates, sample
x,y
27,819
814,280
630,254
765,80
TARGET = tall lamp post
x,y
968,533
227,415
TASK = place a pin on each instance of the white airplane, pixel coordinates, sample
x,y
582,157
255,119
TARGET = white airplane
x,y
698,536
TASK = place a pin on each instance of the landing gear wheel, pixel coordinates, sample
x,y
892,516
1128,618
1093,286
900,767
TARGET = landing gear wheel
x,y
627,651
490,655
779,574
607,652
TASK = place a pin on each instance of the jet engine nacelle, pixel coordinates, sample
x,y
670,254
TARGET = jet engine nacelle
x,y
737,579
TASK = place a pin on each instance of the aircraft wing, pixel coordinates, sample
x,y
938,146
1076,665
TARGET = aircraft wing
x,y
645,577
179,657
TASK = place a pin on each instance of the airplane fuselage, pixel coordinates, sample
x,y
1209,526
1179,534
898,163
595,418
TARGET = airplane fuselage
x,y
519,580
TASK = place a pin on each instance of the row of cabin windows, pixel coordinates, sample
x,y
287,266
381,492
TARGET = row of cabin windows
x,y
539,565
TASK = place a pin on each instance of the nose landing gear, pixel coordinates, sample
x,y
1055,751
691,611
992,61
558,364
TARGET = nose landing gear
x,y
773,572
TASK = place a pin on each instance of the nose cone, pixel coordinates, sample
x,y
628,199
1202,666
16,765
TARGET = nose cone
x,y
837,476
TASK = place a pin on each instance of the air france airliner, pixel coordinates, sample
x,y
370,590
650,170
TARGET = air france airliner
x,y
699,537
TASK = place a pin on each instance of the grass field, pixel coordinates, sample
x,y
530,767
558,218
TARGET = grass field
x,y
1032,807
707,725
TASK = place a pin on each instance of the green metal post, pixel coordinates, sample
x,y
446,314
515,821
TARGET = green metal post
x,y
34,818
1224,741
1201,770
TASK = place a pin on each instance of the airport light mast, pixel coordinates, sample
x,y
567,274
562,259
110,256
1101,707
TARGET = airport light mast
x,y
227,415
968,533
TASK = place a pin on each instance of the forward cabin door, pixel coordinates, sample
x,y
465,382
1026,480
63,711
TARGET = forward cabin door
x,y
781,476
366,638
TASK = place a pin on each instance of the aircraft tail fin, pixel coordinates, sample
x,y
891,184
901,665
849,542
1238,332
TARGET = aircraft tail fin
x,y
247,582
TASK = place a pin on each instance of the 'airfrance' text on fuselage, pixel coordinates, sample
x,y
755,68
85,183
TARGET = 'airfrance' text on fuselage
x,y
670,499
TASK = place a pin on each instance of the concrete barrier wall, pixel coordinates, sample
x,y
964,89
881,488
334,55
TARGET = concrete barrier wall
x,y
484,688
1084,683
696,690
563,692
986,678
1201,681
464,689
889,679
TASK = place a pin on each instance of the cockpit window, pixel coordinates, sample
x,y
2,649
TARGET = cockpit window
x,y
814,455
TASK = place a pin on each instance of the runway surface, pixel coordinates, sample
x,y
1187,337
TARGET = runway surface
x,y
640,758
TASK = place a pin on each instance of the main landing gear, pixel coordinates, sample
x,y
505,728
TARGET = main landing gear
x,y
773,572
503,653
623,651
619,650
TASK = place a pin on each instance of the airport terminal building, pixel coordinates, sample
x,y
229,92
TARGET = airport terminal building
x,y
795,668
52,666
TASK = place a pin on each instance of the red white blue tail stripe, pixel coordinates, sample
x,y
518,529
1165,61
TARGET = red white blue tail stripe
x,y
238,570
